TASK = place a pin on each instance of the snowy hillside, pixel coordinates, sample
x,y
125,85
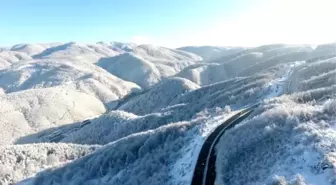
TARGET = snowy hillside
x,y
292,136
7,58
75,51
118,46
159,96
23,161
146,65
249,62
158,54
132,68
84,77
209,53
205,74
33,110
125,114
32,49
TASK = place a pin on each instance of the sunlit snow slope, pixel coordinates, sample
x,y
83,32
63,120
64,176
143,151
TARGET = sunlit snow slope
x,y
125,114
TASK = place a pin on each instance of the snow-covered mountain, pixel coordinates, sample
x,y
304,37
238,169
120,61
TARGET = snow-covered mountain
x,y
33,49
7,58
246,63
159,96
132,68
34,110
146,65
23,161
120,113
82,76
75,51
118,46
209,53
292,136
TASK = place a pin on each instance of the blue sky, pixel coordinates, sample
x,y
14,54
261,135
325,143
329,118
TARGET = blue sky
x,y
90,21
171,23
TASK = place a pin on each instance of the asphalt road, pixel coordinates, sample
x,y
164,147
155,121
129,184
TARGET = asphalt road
x,y
205,169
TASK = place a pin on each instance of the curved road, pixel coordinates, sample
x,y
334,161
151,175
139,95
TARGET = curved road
x,y
205,169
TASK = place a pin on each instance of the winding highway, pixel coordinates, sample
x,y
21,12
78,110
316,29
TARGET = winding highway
x,y
205,169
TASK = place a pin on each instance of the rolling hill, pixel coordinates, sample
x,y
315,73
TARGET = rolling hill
x,y
125,114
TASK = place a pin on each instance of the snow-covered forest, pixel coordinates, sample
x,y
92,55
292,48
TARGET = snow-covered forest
x,y
126,114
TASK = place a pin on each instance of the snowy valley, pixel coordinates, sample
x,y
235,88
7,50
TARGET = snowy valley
x,y
126,114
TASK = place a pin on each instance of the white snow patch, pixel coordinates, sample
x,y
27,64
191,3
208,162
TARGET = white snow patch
x,y
277,86
183,169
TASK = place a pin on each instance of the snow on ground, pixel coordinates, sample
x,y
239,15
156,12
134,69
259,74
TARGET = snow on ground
x,y
236,92
209,53
116,162
297,54
177,172
104,50
29,49
285,140
245,63
159,96
288,138
146,65
172,100
81,76
132,68
218,70
18,162
153,157
76,51
205,74
7,58
148,157
319,73
174,58
119,47
110,127
183,169
30,111
277,86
